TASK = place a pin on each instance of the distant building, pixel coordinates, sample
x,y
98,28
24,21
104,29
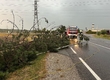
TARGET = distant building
x,y
93,29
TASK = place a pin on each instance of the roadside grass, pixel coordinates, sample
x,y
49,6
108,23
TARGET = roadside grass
x,y
102,36
34,71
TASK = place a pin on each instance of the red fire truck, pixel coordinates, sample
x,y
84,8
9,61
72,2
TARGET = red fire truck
x,y
72,31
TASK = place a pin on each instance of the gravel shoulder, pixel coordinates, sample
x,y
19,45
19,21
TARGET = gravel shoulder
x,y
60,67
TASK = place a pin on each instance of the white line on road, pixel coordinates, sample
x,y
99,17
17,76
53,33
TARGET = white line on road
x,y
100,45
73,50
93,73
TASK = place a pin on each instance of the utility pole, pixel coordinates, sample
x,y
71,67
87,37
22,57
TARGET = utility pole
x,y
36,14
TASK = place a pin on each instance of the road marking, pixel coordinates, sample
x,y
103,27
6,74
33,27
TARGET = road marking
x,y
73,50
93,73
100,45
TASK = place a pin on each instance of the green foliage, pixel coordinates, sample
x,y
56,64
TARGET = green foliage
x,y
98,33
83,37
17,52
2,75
14,55
51,41
86,38
31,55
90,32
103,32
61,29
78,30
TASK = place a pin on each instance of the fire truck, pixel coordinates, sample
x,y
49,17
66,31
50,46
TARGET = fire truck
x,y
72,31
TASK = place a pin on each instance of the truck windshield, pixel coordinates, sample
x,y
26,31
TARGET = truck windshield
x,y
72,28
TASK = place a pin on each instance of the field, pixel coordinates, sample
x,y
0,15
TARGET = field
x,y
4,35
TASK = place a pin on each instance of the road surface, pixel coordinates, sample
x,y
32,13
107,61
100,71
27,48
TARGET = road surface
x,y
92,60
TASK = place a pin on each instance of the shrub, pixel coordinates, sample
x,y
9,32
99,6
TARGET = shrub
x,y
31,55
103,32
2,75
90,32
86,38
98,33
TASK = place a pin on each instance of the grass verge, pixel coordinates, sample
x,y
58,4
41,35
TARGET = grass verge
x,y
35,71
102,36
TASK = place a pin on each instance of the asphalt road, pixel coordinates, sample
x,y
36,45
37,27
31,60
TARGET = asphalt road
x,y
92,60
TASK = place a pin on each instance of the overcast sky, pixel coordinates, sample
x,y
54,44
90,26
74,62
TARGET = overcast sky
x,y
81,13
